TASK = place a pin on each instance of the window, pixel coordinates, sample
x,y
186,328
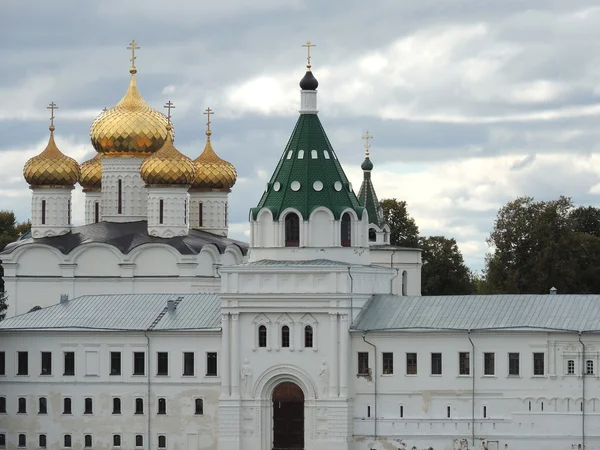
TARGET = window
x,y
120,197
162,406
67,406
22,363
285,336
42,405
199,403
139,406
188,364
185,212
69,212
2,405
313,154
300,154
22,440
96,212
404,283
211,364
290,154
139,440
464,367
262,336
411,364
513,364
489,363
69,360
2,363
116,405
372,235
22,405
115,363
88,406
326,154
538,364
363,363
388,363
162,363
292,230
448,412
346,230
139,363
308,336
68,442
401,411
43,212
161,211
570,367
368,411
2,440
87,441
162,442
42,441
485,412
226,213
436,364
116,440
589,367
46,363
200,214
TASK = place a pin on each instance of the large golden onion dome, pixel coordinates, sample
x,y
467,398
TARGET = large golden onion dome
x,y
213,172
91,174
51,167
167,166
131,127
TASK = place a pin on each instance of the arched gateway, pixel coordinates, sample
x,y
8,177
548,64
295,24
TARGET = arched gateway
x,y
288,417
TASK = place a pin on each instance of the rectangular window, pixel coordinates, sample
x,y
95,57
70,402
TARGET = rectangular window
x,y
2,405
139,440
2,363
42,441
22,363
69,212
68,441
464,366
570,367
162,442
43,212
139,405
46,363
22,440
363,363
162,406
161,211
436,364
308,336
96,214
185,212
489,364
2,440
401,411
87,441
188,364
69,358
22,405
513,364
139,363
200,214
538,364
448,412
211,364
115,363
43,405
411,364
485,412
67,405
117,440
162,363
199,404
388,363
120,197
589,367
88,406
116,405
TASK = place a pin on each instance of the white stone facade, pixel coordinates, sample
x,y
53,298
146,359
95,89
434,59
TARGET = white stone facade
x,y
209,211
168,211
124,196
50,211
93,208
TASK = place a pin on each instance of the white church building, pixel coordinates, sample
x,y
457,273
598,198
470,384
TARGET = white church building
x,y
148,328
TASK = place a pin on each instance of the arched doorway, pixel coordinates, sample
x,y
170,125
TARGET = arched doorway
x,y
288,417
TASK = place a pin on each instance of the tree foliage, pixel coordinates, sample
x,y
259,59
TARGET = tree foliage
x,y
404,232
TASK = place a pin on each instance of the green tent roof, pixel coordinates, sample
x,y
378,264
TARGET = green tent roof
x,y
367,196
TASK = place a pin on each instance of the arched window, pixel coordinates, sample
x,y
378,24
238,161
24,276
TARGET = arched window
x,y
43,212
22,406
404,282
300,154
313,154
43,406
262,336
162,406
292,230
139,406
285,336
308,336
199,403
372,235
116,406
346,230
161,211
96,212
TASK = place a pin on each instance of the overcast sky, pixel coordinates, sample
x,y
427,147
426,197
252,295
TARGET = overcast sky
x,y
471,102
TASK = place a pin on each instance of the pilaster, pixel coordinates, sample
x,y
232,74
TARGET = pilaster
x,y
334,364
344,354
225,356
235,355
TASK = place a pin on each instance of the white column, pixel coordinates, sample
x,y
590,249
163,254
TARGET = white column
x,y
235,355
344,355
173,219
225,356
50,211
91,199
133,190
214,211
333,379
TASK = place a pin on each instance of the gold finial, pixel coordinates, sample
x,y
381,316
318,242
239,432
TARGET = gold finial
x,y
208,112
133,47
169,106
308,45
52,106
367,137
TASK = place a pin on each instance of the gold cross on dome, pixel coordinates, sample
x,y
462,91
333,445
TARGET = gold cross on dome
x,y
133,47
208,112
105,109
367,137
52,106
169,106
308,45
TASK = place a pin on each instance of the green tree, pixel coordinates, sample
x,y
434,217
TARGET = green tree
x,y
404,232
444,271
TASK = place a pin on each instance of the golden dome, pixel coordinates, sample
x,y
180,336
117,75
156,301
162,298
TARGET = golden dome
x,y
213,172
131,127
91,174
167,166
51,167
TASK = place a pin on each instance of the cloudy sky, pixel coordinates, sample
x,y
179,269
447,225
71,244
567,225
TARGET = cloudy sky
x,y
472,102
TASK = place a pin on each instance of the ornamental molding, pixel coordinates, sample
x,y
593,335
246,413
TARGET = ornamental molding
x,y
270,378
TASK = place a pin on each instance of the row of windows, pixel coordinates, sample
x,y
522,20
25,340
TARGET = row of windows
x,y
88,403
44,212
285,336
464,364
139,363
68,442
313,154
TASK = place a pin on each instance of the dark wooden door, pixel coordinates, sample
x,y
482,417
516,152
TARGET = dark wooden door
x,y
288,417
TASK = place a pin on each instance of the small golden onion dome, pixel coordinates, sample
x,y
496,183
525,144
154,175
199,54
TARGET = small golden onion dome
x,y
131,127
167,166
91,174
213,172
51,167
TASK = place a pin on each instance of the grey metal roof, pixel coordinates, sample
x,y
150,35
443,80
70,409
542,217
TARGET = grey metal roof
x,y
125,237
481,312
124,312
